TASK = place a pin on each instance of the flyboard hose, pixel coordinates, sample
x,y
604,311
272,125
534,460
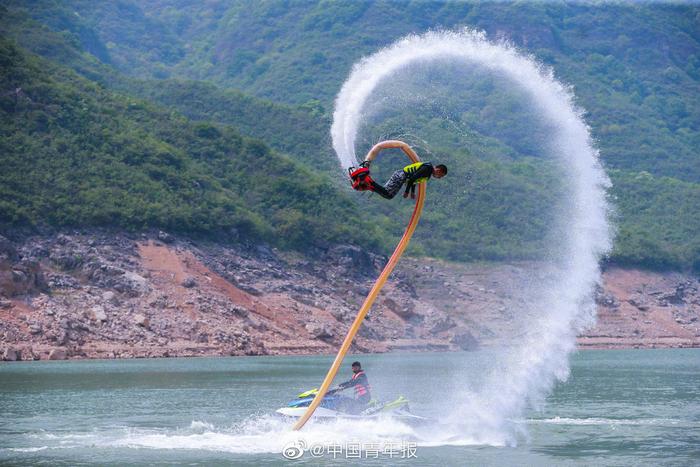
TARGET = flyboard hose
x,y
379,283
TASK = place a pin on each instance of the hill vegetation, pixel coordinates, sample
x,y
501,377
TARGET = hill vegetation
x,y
76,154
635,67
643,104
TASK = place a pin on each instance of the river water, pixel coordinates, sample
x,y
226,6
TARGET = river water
x,y
618,407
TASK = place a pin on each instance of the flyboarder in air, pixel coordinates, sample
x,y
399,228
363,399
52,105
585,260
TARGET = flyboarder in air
x,y
412,174
361,384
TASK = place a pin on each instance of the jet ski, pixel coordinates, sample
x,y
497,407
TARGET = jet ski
x,y
336,406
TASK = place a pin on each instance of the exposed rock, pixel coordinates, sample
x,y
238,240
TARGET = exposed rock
x,y
640,305
79,326
165,237
405,310
369,332
265,251
442,325
256,299
5,304
21,278
63,239
106,275
141,320
110,297
62,338
465,340
306,300
354,259
319,331
58,354
340,314
67,260
11,355
189,282
132,284
62,281
675,297
237,310
251,290
605,299
31,355
98,313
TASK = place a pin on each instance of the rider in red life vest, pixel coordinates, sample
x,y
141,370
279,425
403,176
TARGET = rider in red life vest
x,y
362,388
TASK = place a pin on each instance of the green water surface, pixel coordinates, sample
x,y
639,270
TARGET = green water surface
x,y
618,407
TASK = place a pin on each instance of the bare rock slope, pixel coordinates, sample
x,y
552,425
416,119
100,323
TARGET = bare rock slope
x,y
107,295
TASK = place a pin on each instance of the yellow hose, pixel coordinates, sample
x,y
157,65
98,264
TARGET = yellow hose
x,y
398,251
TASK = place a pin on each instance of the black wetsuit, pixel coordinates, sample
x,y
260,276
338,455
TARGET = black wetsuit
x,y
405,175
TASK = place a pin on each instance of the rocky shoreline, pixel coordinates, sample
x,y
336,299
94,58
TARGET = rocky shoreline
x,y
100,294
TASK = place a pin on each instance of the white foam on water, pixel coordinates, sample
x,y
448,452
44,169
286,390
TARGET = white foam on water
x,y
36,449
608,421
561,303
198,426
258,435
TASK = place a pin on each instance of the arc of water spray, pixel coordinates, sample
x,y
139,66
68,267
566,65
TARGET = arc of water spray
x,y
585,232
378,284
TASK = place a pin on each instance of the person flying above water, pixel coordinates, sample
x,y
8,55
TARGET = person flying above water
x,y
411,175
362,389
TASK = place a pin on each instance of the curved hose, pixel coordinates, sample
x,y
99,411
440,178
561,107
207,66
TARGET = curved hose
x,y
379,283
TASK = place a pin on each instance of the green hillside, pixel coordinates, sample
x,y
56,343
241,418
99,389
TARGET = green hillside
x,y
75,154
642,104
635,67
296,131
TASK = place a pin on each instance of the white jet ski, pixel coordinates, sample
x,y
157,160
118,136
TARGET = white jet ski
x,y
336,406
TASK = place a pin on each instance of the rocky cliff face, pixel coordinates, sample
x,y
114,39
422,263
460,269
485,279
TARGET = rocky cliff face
x,y
117,295
646,309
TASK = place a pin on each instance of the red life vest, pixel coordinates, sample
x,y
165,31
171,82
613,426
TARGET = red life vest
x,y
360,389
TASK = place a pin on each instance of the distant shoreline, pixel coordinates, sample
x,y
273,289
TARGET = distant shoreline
x,y
664,345
93,295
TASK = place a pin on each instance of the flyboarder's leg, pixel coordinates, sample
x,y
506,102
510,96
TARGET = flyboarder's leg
x,y
392,186
381,191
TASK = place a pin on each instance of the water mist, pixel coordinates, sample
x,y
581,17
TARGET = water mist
x,y
561,302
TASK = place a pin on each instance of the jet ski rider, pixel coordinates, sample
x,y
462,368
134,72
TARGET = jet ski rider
x,y
362,389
